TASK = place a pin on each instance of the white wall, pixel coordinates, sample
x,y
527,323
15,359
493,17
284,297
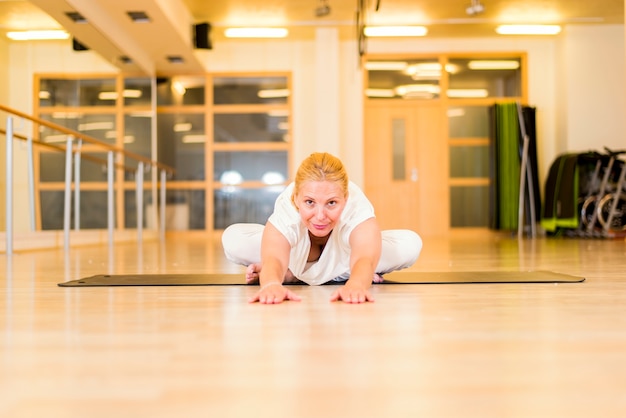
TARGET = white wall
x,y
576,81
593,85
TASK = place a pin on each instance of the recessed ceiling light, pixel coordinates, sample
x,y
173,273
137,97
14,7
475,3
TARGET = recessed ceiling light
x,y
386,65
76,17
273,93
38,35
175,59
256,32
493,65
382,31
138,17
528,29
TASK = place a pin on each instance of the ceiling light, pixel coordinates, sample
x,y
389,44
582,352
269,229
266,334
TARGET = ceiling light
x,y
138,17
66,115
467,93
382,31
476,7
95,126
179,88
107,95
182,127
256,32
429,70
323,9
493,65
38,35
76,17
528,29
125,59
386,65
418,90
194,139
386,93
273,94
175,59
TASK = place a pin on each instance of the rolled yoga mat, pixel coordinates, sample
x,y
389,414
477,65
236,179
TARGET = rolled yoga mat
x,y
398,277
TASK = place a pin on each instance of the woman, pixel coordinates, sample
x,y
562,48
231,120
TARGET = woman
x,y
323,229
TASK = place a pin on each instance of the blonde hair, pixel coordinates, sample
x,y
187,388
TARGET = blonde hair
x,y
321,166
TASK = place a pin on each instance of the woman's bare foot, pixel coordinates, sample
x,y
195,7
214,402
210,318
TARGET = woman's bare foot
x,y
253,270
290,278
252,273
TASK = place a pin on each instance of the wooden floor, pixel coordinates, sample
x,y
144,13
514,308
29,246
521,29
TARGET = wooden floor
x,y
473,350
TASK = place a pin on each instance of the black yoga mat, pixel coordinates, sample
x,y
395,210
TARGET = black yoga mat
x,y
399,277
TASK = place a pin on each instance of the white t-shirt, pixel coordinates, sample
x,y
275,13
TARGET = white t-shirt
x,y
335,258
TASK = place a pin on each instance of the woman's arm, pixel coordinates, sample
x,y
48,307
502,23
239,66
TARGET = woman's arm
x,y
274,264
365,248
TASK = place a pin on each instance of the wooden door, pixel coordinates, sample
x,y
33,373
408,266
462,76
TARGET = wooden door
x,y
406,166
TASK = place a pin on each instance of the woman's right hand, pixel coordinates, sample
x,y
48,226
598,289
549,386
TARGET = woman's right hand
x,y
273,292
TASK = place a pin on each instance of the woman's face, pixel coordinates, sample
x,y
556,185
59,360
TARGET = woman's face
x,y
320,204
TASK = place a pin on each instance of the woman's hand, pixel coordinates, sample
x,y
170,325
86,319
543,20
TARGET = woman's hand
x,y
273,292
352,293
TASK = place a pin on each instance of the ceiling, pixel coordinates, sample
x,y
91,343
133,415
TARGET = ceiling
x,y
114,36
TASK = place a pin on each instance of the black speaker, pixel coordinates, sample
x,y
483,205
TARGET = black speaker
x,y
202,36
77,46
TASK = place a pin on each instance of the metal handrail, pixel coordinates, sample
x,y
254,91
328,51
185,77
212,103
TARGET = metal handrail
x,y
62,148
70,150
88,139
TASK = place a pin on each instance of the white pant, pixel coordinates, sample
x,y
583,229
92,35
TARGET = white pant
x,y
400,247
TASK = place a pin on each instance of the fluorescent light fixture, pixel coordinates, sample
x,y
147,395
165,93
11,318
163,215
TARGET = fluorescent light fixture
x,y
50,139
128,139
429,70
256,32
182,127
467,93
38,35
132,93
194,139
107,95
528,29
493,65
418,90
382,31
386,65
95,126
44,95
112,95
273,93
146,114
381,93
66,115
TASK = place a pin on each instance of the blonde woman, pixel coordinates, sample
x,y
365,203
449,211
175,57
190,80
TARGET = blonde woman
x,y
322,229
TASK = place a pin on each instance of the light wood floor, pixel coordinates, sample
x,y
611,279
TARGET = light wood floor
x,y
507,350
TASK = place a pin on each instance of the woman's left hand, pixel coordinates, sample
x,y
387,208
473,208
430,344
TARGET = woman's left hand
x,y
351,293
